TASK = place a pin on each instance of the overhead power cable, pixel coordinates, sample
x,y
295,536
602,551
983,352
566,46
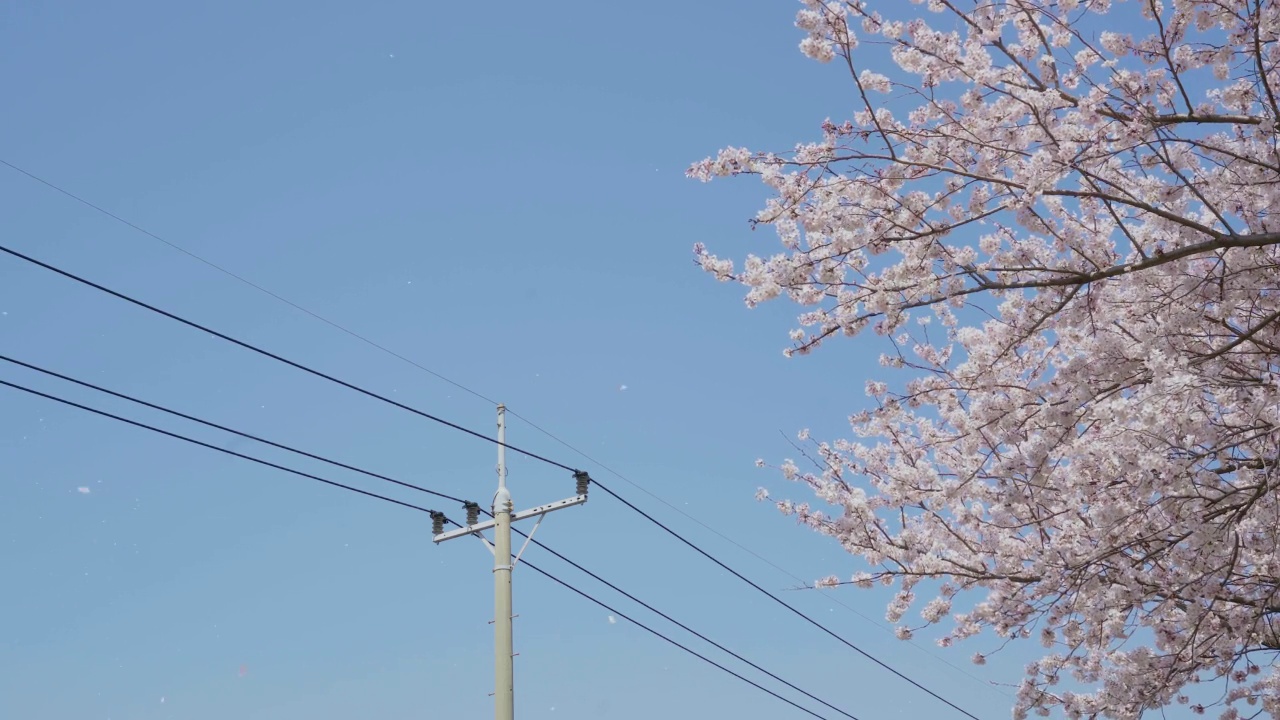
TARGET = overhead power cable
x,y
224,428
211,446
273,356
241,278
682,626
532,455
420,509
651,631
785,604
362,338
419,488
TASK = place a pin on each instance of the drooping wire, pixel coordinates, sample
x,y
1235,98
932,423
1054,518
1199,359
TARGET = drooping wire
x,y
273,356
418,488
412,507
650,630
224,428
682,626
211,446
471,391
670,505
785,604
241,278
529,454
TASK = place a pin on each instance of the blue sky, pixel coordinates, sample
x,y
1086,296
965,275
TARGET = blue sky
x,y
496,192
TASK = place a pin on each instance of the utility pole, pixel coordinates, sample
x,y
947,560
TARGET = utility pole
x,y
504,701
504,514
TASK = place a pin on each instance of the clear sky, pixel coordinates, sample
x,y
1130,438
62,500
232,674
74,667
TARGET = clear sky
x,y
495,190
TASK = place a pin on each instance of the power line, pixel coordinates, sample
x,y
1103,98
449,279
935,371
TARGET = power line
x,y
412,507
224,428
466,389
279,358
694,653
532,455
419,488
193,441
785,604
684,627
660,499
241,278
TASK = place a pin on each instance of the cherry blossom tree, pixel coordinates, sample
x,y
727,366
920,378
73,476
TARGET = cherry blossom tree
x,y
1063,216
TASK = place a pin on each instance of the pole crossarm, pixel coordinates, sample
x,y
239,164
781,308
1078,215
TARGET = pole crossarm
x,y
522,515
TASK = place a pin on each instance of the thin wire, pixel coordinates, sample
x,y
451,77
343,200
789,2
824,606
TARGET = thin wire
x,y
784,603
684,627
279,358
241,278
411,486
193,441
489,400
413,507
642,626
670,505
694,653
224,428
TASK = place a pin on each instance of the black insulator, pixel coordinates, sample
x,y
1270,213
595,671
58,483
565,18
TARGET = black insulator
x,y
473,512
583,480
437,522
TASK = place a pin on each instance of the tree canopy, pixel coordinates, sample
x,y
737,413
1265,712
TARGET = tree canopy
x,y
1059,216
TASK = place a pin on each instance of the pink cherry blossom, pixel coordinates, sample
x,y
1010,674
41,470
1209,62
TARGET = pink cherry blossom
x,y
1084,441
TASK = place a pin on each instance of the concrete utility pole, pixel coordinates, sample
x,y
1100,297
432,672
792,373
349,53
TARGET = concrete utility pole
x,y
503,515
504,707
